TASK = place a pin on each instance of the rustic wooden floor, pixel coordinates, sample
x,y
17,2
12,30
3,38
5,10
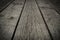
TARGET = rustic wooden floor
x,y
30,20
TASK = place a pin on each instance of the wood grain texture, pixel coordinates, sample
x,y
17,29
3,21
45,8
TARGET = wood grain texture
x,y
4,4
53,21
31,25
44,4
8,19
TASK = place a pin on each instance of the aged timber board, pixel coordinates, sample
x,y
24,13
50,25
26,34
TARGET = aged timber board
x,y
31,25
4,4
44,4
9,18
52,19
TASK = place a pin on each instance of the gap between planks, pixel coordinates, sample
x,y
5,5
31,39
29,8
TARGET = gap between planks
x,y
18,21
44,21
9,18
27,17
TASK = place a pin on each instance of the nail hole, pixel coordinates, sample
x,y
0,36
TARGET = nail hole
x,y
11,18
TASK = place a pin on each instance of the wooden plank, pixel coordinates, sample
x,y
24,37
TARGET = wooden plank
x,y
31,25
9,18
47,4
44,3
53,21
4,4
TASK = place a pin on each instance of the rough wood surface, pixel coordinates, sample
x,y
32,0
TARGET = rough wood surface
x,y
44,3
4,4
53,21
31,25
8,19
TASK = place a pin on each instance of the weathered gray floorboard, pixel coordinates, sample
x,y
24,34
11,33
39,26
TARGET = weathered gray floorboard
x,y
53,21
31,25
44,4
9,18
